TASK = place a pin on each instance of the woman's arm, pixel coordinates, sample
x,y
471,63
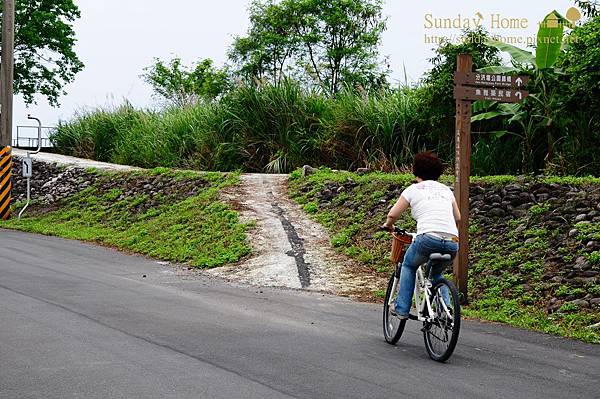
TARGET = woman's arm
x,y
400,206
456,212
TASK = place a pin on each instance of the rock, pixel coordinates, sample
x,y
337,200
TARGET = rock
x,y
526,197
573,232
519,213
590,273
580,303
595,301
475,190
581,281
513,187
496,212
308,170
543,197
581,263
580,217
530,240
493,199
362,171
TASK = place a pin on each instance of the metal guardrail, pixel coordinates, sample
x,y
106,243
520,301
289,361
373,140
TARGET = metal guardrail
x,y
25,140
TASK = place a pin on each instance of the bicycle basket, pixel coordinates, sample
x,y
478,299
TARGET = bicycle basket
x,y
399,243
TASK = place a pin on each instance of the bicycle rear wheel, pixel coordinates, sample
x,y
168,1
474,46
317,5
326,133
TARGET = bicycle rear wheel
x,y
392,326
441,334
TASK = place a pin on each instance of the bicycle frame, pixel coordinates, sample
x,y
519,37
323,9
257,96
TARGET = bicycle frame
x,y
423,286
422,297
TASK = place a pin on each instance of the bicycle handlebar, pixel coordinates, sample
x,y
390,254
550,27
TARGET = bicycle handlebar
x,y
397,230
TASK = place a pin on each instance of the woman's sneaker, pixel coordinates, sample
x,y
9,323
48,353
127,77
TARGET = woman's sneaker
x,y
395,313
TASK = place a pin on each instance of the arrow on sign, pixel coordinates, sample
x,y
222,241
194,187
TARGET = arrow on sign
x,y
486,93
519,81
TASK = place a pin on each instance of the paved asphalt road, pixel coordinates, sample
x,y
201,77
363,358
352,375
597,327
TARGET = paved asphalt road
x,y
81,321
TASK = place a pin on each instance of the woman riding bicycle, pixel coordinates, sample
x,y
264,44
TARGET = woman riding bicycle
x,y
434,208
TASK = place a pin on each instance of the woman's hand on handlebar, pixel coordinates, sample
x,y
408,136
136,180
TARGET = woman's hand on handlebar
x,y
392,229
389,229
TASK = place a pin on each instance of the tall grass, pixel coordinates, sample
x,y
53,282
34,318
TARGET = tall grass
x,y
380,131
279,128
268,128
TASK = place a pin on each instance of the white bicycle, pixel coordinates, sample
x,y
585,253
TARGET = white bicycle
x,y
437,307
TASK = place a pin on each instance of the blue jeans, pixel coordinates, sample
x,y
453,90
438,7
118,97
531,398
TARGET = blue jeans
x,y
418,253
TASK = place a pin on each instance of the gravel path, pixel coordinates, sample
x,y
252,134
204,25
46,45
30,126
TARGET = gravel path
x,y
289,250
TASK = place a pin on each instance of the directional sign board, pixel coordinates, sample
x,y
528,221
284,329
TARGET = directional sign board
x,y
489,79
27,167
508,95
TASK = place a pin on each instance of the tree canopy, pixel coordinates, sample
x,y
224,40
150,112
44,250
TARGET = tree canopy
x,y
179,85
324,43
45,60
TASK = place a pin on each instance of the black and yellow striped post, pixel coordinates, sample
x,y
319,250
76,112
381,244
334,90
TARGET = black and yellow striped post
x,y
5,182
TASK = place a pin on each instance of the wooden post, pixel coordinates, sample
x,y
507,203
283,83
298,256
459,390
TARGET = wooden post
x,y
6,73
464,63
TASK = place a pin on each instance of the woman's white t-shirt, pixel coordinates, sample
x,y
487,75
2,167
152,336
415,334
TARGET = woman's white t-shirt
x,y
431,206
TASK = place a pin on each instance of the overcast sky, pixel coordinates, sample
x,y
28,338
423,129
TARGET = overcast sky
x,y
118,38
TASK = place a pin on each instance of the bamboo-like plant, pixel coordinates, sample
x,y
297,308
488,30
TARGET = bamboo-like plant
x,y
537,113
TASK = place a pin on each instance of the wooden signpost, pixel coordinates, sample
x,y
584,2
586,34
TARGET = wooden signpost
x,y
471,86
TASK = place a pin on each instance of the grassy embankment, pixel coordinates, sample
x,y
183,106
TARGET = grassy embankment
x,y
120,210
510,268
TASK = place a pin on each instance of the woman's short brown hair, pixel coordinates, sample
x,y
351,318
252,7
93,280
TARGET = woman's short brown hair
x,y
427,166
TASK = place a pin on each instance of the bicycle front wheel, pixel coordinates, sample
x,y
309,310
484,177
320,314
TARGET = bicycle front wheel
x,y
441,333
392,326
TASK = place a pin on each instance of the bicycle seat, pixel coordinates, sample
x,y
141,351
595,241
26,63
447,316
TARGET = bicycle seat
x,y
437,257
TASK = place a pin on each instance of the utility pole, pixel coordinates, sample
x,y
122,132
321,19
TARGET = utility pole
x,y
6,72
6,106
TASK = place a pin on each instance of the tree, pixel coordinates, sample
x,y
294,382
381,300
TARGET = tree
x,y
590,8
339,41
325,43
180,85
266,51
44,39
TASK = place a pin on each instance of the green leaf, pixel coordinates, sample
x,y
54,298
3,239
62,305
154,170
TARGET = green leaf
x,y
485,116
519,55
482,105
509,109
498,69
499,133
549,40
518,117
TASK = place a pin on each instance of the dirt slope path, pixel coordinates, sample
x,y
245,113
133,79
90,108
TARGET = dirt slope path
x,y
289,250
